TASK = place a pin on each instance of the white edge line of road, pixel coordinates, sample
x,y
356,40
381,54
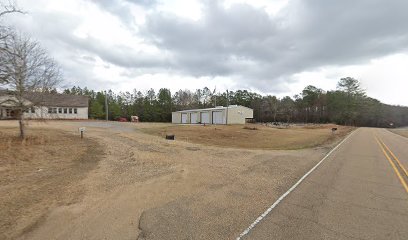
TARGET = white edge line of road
x,y
260,218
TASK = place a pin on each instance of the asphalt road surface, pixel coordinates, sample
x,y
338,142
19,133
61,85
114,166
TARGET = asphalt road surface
x,y
359,192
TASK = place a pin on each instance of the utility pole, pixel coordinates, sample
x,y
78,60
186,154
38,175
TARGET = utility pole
x,y
106,107
227,108
215,97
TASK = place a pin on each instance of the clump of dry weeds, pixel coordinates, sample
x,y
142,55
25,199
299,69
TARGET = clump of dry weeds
x,y
9,141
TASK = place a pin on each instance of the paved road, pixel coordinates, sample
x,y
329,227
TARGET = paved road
x,y
356,193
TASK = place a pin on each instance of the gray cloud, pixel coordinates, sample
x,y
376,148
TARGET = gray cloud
x,y
242,42
56,32
110,5
145,3
245,41
343,32
120,8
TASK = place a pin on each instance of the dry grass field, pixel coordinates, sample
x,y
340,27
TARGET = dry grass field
x,y
40,173
252,136
403,132
121,183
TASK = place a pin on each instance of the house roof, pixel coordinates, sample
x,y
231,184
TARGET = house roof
x,y
213,109
53,100
11,101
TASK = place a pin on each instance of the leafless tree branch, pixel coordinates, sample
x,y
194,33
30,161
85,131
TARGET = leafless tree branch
x,y
6,8
9,7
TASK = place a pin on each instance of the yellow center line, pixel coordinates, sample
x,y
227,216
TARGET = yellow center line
x,y
393,166
395,157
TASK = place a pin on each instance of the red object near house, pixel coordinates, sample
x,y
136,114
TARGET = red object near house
x,y
134,119
121,119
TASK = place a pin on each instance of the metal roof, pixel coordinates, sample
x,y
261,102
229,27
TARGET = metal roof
x,y
212,109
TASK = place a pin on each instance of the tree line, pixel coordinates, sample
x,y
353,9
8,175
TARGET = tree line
x,y
347,105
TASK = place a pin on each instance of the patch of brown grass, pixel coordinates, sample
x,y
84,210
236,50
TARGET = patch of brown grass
x,y
236,136
250,128
402,132
39,172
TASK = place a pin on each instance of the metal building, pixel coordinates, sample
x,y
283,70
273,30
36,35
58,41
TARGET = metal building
x,y
233,114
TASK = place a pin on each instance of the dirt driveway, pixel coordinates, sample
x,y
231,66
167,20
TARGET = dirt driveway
x,y
145,187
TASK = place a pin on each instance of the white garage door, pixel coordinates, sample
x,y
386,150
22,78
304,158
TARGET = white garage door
x,y
184,118
194,118
205,117
217,118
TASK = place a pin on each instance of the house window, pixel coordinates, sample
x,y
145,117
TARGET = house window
x,y
65,110
29,110
75,110
52,110
70,111
59,110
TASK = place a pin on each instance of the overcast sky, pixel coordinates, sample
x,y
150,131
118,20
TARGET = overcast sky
x,y
269,46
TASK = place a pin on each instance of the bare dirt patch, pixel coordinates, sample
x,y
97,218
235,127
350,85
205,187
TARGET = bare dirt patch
x,y
253,136
149,187
39,173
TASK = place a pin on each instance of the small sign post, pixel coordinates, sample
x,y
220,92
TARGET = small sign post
x,y
81,130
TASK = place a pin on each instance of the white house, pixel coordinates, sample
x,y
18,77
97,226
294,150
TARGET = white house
x,y
233,114
44,106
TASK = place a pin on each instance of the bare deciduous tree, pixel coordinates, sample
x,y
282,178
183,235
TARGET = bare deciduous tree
x,y
7,7
26,67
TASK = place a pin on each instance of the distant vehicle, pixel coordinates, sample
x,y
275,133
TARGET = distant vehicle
x,y
121,119
134,119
